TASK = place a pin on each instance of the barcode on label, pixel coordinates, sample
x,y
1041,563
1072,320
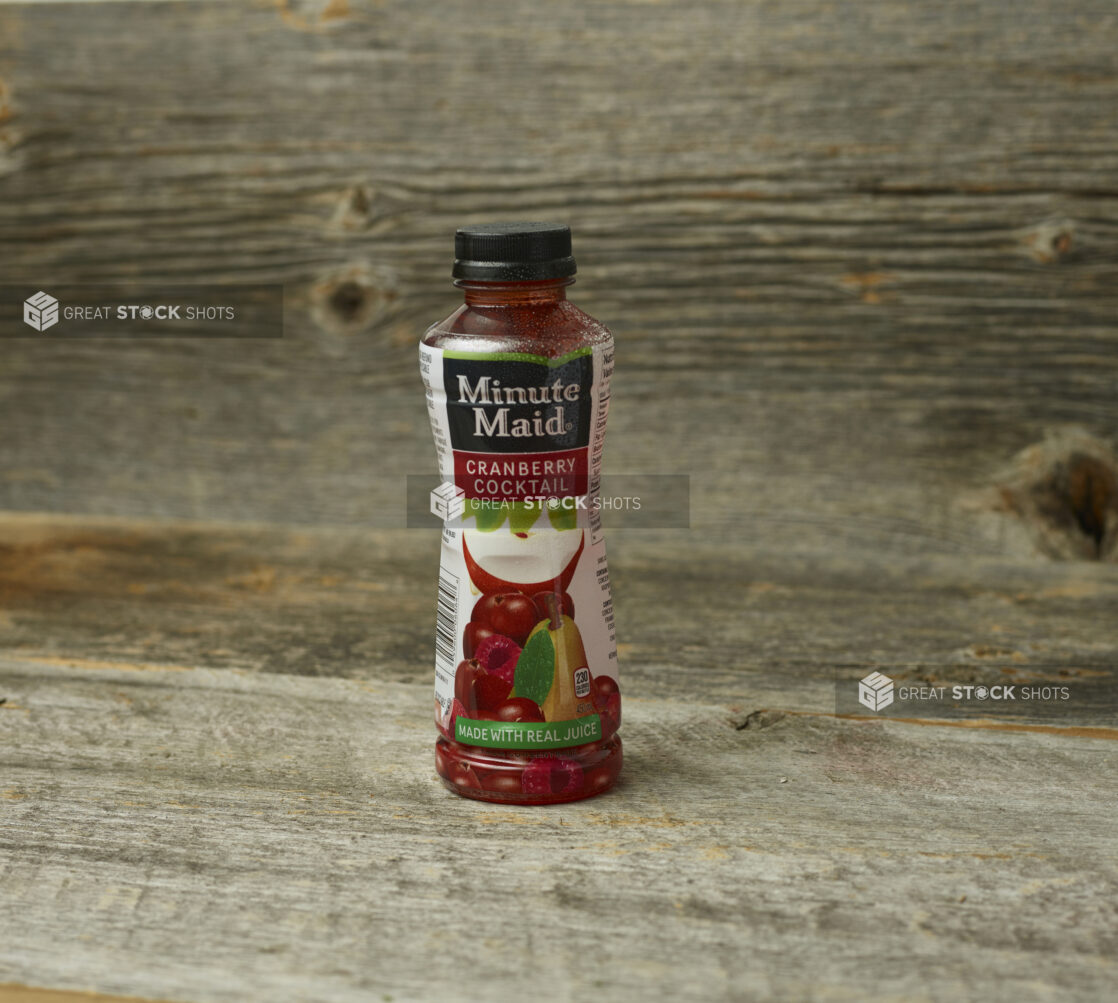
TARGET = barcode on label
x,y
446,621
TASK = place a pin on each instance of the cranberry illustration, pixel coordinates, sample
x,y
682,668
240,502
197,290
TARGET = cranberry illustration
x,y
464,684
457,709
463,776
504,784
610,713
519,709
602,688
510,613
551,775
478,690
566,604
499,654
607,701
598,779
473,636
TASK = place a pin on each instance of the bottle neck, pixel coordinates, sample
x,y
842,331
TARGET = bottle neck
x,y
479,293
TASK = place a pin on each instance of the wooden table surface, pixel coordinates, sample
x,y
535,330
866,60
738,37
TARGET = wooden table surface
x,y
861,261
218,782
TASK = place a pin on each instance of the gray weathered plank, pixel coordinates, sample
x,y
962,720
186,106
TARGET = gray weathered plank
x,y
14,992
857,257
697,614
861,264
215,835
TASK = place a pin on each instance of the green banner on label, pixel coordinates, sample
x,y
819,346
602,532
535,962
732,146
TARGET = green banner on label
x,y
528,735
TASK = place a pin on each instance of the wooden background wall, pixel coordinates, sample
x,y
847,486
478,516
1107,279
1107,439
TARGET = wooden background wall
x,y
861,260
858,256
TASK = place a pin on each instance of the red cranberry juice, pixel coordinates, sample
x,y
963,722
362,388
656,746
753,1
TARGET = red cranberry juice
x,y
527,702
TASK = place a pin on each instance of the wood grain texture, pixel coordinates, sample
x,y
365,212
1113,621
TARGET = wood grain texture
x,y
697,615
199,812
861,262
216,835
14,993
858,257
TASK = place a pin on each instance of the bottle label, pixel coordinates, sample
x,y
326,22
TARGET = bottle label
x,y
525,651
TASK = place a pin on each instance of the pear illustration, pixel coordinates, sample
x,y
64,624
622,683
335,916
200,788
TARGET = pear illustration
x,y
571,673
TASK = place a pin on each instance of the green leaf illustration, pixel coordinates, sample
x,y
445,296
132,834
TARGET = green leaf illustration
x,y
563,517
522,516
489,517
535,668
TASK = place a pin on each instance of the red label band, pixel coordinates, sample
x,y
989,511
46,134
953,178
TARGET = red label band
x,y
518,476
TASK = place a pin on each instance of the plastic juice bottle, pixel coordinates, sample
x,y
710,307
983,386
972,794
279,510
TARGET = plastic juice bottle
x,y
526,694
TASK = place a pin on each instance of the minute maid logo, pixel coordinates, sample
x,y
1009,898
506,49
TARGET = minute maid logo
x,y
515,402
40,311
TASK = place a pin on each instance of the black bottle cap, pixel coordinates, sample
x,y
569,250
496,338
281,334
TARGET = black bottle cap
x,y
513,252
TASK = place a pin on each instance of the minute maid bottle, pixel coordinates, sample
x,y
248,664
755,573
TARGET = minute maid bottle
x,y
526,694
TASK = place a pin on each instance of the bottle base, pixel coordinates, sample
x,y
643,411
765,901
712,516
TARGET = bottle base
x,y
529,778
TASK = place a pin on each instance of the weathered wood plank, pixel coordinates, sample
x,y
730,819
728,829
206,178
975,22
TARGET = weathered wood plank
x,y
14,993
879,243
208,835
698,614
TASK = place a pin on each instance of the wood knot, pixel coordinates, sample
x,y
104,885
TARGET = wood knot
x,y
1065,490
758,719
1050,241
351,300
354,210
